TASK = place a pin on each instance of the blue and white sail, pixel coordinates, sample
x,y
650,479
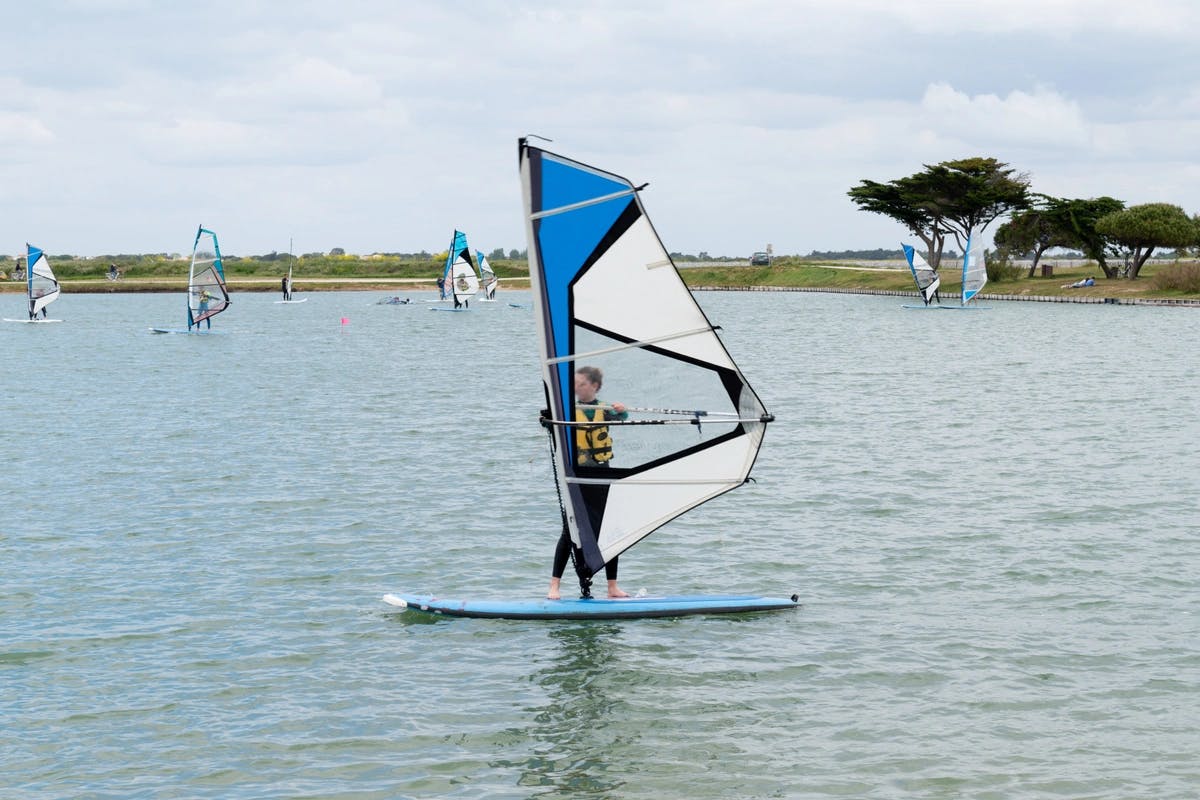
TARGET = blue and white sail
x,y
460,281
487,276
606,294
41,285
927,280
974,276
207,294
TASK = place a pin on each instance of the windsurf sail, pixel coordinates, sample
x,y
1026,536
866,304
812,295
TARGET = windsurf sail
x,y
607,295
487,278
41,285
459,279
207,295
927,280
974,266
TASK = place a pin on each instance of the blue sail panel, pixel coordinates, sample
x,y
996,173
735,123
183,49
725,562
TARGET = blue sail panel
x,y
566,183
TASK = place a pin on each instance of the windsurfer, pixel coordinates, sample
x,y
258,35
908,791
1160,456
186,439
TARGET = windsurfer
x,y
594,448
205,297
283,285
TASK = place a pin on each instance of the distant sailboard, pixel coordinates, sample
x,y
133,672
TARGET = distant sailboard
x,y
207,295
41,287
487,278
287,284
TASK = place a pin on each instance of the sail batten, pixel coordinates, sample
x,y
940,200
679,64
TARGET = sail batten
x,y
583,204
627,346
608,297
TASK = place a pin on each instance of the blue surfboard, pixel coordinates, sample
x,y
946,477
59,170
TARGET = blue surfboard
x,y
591,608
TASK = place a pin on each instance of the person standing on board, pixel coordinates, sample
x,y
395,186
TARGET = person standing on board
x,y
593,448
287,290
205,296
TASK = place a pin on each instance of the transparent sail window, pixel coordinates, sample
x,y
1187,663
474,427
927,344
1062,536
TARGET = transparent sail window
x,y
650,385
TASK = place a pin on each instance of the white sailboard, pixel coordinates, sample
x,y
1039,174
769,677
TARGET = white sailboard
x,y
288,286
207,294
606,295
487,278
926,278
41,287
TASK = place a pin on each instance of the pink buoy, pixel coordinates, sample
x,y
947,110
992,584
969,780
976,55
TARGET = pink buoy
x,y
345,320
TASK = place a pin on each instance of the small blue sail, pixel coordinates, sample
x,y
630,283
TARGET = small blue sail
x,y
927,280
41,286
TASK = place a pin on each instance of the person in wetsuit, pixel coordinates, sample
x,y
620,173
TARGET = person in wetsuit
x,y
593,447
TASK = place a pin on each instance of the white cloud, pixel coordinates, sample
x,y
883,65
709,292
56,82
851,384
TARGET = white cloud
x,y
374,125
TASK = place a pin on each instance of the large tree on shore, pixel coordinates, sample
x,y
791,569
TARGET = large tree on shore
x,y
1080,218
1036,230
946,199
1141,229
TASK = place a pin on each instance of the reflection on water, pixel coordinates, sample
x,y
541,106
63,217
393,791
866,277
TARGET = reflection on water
x,y
578,735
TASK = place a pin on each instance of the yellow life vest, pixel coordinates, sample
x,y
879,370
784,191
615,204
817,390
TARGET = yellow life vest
x,y
593,445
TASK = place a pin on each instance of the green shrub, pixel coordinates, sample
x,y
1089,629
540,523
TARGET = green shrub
x,y
1000,267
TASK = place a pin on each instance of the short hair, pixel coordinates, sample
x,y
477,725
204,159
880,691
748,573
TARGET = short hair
x,y
593,374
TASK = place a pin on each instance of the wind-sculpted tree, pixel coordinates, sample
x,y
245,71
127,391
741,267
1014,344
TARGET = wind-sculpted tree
x,y
1141,229
1036,230
1079,217
946,199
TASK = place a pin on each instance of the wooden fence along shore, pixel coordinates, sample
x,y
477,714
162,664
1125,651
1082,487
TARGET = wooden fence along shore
x,y
1033,298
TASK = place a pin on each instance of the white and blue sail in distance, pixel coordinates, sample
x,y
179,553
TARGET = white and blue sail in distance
x,y
927,280
207,295
41,285
606,294
459,280
974,276
487,276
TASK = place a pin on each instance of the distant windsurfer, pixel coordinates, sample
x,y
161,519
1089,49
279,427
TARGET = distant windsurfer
x,y
593,447
286,286
205,297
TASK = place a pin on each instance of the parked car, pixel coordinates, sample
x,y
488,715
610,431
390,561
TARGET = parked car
x,y
760,260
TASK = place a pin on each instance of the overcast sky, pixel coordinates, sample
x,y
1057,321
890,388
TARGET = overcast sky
x,y
378,125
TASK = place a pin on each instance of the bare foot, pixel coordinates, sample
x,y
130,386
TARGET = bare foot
x,y
616,591
554,593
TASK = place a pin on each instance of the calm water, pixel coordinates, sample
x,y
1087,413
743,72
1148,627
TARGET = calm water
x,y
991,518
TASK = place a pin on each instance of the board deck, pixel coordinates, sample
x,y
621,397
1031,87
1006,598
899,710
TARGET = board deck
x,y
592,608
205,332
32,321
282,302
948,307
450,309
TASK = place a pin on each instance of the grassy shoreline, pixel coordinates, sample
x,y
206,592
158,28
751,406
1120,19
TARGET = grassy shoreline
x,y
784,275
